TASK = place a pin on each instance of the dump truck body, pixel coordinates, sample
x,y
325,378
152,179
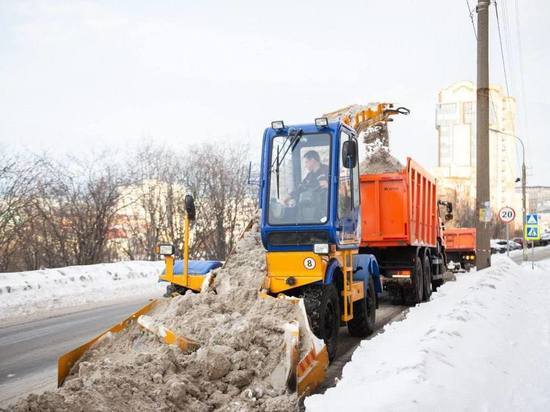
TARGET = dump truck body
x,y
399,209
460,247
402,227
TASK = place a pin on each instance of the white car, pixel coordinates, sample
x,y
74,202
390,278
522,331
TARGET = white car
x,y
498,246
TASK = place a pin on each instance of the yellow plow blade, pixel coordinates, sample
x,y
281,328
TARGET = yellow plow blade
x,y
67,361
306,374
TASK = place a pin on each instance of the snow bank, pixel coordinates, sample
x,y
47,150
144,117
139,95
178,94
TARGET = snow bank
x,y
481,343
25,293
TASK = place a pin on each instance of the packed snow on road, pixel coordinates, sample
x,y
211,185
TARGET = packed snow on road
x,y
27,293
481,343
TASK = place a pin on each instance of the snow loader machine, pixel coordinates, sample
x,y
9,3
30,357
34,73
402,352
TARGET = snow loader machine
x,y
310,199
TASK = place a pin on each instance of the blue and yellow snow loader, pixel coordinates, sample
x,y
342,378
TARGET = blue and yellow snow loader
x,y
185,274
311,224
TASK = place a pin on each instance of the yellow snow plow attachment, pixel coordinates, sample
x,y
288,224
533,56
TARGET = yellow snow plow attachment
x,y
300,374
306,373
67,361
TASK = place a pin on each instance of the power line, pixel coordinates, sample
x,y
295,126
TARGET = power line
x,y
522,84
471,14
502,51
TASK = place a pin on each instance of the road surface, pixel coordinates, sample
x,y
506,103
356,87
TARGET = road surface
x,y
29,351
540,253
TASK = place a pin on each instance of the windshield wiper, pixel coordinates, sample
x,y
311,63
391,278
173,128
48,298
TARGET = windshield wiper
x,y
293,142
294,139
277,171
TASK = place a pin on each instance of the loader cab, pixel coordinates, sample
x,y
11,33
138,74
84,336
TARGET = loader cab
x,y
310,187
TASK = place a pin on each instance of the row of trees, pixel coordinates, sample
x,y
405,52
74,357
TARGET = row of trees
x,y
103,208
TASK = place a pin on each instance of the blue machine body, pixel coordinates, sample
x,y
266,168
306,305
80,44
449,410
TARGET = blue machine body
x,y
196,267
344,232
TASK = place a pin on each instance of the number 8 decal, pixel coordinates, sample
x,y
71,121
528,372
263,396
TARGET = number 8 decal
x,y
309,263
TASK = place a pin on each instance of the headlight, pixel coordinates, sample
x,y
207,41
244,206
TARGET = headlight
x,y
321,122
165,249
278,125
321,248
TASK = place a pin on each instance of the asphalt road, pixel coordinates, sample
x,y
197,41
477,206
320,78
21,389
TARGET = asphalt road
x,y
539,252
29,351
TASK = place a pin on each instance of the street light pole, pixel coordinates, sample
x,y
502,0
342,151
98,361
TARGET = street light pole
x,y
523,190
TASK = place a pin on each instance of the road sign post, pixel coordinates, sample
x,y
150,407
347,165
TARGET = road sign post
x,y
532,233
507,215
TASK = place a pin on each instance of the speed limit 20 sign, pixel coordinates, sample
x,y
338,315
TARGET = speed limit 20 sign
x,y
507,214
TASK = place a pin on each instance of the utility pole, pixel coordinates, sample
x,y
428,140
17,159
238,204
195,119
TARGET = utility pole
x,y
524,203
483,194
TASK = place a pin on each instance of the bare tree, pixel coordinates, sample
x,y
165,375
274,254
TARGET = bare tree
x,y
16,184
216,176
158,210
77,201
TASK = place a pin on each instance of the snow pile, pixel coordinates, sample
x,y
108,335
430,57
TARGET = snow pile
x,y
379,160
241,351
482,343
25,293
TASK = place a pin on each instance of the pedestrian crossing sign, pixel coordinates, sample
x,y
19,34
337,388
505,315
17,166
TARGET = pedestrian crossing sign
x,y
532,219
532,232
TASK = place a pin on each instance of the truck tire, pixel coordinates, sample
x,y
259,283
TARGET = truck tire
x,y
427,279
323,312
415,291
364,314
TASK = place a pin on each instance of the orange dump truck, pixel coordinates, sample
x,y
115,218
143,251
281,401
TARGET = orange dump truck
x,y
461,247
402,227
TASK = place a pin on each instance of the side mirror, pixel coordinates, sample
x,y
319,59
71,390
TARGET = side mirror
x,y
349,154
190,207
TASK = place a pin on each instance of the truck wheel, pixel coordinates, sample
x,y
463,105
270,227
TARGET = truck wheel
x,y
416,289
364,314
427,279
172,290
323,311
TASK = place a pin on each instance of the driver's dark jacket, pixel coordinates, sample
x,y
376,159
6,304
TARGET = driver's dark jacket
x,y
312,180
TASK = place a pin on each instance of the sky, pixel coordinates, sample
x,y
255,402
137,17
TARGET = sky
x,y
78,75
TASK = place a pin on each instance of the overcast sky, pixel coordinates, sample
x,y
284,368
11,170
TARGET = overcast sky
x,y
83,75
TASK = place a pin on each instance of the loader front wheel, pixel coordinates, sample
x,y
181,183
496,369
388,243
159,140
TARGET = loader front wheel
x,y
323,311
364,314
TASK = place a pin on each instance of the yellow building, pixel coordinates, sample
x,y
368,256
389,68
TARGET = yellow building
x,y
456,142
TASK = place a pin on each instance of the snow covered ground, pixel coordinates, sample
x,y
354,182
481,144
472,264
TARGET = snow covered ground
x,y
481,343
29,293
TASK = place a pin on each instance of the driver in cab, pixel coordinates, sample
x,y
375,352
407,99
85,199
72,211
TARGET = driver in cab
x,y
316,178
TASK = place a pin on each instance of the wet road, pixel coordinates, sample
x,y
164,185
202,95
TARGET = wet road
x,y
29,350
